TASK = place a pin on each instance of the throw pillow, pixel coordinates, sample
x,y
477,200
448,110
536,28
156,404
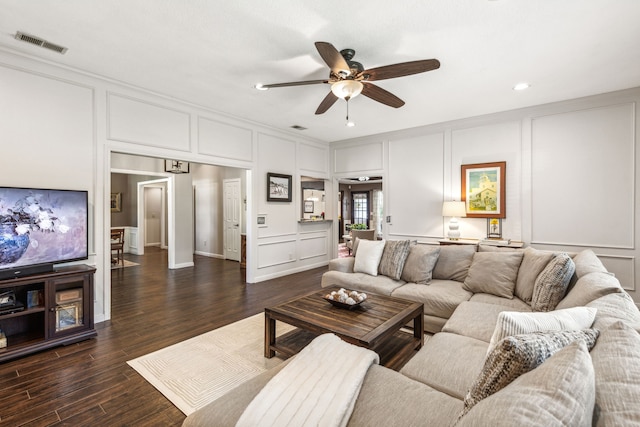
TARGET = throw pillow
x,y
393,258
517,355
533,262
368,256
560,392
516,323
454,262
493,273
419,265
551,284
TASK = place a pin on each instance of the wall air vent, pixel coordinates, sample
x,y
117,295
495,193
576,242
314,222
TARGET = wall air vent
x,y
40,42
298,127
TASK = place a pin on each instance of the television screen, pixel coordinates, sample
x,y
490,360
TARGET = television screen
x,y
39,226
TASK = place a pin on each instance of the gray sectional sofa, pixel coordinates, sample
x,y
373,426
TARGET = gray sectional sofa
x,y
520,338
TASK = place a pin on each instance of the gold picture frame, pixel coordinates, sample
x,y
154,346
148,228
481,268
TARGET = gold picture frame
x,y
483,190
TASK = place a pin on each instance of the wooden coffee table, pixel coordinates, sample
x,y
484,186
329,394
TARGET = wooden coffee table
x,y
375,325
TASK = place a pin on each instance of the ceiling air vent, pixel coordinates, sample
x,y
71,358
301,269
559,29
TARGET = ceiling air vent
x,y
40,42
298,127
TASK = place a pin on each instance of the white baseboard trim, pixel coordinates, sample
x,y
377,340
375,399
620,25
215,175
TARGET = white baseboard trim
x,y
209,254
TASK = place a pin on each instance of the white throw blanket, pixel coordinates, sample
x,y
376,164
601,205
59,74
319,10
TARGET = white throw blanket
x,y
319,387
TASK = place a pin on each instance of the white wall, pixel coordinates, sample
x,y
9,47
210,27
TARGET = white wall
x,y
60,128
571,179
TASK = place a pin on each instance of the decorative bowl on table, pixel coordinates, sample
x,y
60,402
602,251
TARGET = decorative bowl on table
x,y
344,298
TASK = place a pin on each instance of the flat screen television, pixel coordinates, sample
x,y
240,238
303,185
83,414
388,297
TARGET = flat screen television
x,y
40,228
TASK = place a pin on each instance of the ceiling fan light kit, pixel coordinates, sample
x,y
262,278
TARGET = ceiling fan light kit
x,y
349,79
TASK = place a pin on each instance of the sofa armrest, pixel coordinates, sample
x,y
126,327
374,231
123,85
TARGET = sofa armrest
x,y
344,265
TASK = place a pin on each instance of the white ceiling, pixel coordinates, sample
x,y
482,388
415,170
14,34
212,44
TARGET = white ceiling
x,y
213,52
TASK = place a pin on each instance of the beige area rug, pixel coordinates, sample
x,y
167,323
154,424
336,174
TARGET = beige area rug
x,y
126,264
197,371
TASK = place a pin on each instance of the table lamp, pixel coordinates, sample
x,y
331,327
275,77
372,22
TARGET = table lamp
x,y
454,210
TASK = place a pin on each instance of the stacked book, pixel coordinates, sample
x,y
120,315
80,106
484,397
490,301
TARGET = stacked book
x,y
495,242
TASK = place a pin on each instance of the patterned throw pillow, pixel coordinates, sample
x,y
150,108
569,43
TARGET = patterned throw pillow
x,y
393,257
519,354
552,283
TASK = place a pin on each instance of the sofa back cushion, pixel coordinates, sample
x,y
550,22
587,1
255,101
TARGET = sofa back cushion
x,y
418,268
493,273
616,361
393,258
588,262
590,287
560,392
551,284
368,256
533,262
454,262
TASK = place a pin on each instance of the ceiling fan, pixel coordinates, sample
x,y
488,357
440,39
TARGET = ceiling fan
x,y
348,78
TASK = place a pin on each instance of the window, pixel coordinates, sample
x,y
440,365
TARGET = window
x,y
360,203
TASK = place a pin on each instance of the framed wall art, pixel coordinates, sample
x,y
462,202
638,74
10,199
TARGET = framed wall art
x,y
176,166
483,189
116,202
308,206
494,228
278,187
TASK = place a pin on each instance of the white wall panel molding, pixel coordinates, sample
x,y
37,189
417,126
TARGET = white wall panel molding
x,y
216,138
274,253
415,186
359,158
313,247
583,177
623,267
143,122
313,160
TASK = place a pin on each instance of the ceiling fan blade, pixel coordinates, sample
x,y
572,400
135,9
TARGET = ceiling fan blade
x,y
302,83
378,94
400,70
332,57
326,103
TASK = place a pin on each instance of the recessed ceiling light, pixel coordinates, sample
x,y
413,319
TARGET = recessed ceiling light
x,y
521,86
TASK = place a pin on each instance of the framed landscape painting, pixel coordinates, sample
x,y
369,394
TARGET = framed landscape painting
x,y
278,187
483,189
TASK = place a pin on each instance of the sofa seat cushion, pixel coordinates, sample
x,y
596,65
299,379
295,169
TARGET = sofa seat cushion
x,y
433,324
516,304
475,320
590,287
440,298
388,398
616,361
560,392
362,282
448,362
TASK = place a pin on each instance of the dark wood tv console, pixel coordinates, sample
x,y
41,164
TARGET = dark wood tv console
x,y
50,309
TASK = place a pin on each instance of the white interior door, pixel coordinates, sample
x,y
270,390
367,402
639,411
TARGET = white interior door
x,y
231,217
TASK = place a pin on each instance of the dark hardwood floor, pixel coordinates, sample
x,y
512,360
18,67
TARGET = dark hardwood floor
x,y
90,384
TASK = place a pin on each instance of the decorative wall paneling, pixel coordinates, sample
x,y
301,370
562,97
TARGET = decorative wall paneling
x,y
220,139
359,158
141,122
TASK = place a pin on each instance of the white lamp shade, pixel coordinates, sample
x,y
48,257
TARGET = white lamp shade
x,y
347,89
454,209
